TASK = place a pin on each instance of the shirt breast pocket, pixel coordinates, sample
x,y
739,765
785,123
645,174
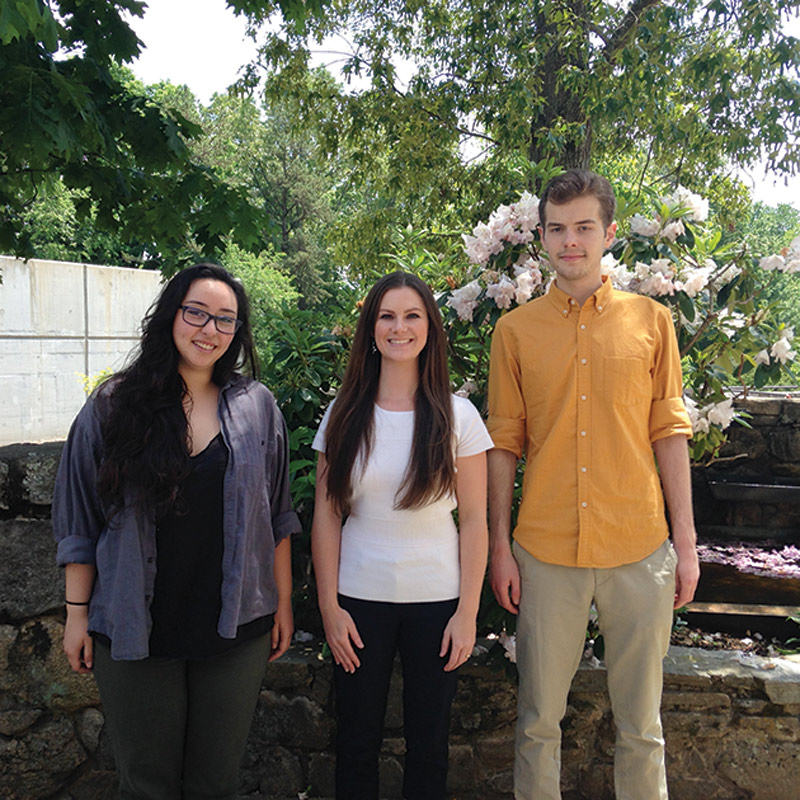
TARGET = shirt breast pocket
x,y
626,380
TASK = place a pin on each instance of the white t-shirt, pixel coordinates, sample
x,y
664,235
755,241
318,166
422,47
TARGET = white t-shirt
x,y
402,555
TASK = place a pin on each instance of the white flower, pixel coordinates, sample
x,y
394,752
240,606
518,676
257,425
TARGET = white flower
x,y
527,281
526,211
664,266
509,645
696,206
695,280
673,230
464,300
727,275
782,350
772,262
788,332
502,292
762,358
643,226
720,413
467,388
656,285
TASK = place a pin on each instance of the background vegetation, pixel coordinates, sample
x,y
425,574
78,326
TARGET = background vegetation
x,y
309,185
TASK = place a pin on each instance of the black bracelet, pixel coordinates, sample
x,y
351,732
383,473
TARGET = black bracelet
x,y
70,603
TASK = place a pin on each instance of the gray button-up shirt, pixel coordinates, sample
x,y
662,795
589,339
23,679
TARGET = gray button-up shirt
x,y
257,514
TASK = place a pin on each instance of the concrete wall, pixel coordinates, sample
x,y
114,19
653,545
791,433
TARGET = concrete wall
x,y
60,320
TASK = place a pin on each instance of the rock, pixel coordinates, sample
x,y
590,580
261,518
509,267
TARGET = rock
x,y
37,764
30,582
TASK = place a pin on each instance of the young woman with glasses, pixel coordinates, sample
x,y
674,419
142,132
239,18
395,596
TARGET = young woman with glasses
x,y
398,452
172,516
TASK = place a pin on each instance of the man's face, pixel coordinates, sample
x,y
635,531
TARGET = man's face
x,y
575,239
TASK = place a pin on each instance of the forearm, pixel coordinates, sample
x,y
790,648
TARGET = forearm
x,y
78,583
502,470
672,454
283,571
473,552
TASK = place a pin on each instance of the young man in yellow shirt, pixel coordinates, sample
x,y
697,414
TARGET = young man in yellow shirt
x,y
586,382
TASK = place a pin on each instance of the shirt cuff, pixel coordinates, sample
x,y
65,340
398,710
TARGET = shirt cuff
x,y
75,550
507,434
285,524
668,417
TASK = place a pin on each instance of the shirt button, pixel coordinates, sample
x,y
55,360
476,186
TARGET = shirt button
x,y
599,308
583,361
584,504
583,327
572,302
583,433
566,311
583,469
583,397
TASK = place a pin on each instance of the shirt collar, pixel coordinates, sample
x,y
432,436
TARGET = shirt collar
x,y
565,304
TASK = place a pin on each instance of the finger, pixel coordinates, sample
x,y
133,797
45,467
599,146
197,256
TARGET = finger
x,y
515,593
88,653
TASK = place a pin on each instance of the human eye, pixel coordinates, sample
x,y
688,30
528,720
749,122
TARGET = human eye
x,y
195,314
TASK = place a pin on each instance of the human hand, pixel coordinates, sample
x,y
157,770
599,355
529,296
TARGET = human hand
x,y
504,579
459,639
282,631
78,644
341,634
687,574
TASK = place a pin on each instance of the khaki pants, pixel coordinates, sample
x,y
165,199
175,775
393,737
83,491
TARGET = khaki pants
x,y
634,605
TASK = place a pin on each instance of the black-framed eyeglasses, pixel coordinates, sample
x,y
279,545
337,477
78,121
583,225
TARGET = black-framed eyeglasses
x,y
199,319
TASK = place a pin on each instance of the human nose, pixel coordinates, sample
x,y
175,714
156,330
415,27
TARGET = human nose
x,y
570,238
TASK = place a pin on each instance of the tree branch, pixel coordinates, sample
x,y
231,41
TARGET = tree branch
x,y
625,30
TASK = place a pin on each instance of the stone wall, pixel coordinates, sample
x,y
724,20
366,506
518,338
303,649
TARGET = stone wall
x,y
732,724
766,451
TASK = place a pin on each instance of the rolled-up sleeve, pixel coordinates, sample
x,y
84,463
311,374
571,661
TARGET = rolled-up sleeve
x,y
668,415
507,414
77,513
285,521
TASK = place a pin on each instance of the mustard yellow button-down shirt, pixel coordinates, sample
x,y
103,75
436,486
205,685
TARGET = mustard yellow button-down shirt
x,y
584,391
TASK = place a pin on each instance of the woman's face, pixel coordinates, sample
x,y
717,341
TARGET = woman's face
x,y
199,348
401,325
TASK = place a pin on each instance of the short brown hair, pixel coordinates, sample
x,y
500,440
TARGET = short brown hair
x,y
576,183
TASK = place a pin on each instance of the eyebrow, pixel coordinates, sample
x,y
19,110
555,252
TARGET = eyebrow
x,y
579,222
205,305
405,311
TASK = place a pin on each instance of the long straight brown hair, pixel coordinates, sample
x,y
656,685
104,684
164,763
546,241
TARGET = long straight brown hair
x,y
430,474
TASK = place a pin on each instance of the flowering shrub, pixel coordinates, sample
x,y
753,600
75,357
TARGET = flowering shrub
x,y
728,337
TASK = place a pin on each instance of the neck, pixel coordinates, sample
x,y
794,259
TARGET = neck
x,y
197,382
397,386
579,291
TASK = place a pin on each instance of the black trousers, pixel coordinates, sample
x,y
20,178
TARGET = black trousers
x,y
415,630
178,727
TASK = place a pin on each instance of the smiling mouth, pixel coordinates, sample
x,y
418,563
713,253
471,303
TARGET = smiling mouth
x,y
204,346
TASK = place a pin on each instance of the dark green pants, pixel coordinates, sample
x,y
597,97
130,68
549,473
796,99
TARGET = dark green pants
x,y
178,727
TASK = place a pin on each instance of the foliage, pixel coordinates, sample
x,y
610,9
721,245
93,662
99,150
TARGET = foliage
x,y
69,112
454,91
305,368
727,331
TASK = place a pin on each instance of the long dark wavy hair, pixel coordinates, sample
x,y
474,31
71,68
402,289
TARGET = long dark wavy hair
x,y
145,432
430,474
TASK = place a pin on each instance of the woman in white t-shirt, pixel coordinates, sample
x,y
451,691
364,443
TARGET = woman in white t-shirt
x,y
397,453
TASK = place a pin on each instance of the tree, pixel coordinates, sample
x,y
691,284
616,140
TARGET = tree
x,y
68,112
695,85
